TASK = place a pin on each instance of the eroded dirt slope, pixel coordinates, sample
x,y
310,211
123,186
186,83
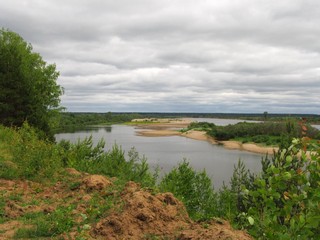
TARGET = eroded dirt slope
x,y
94,207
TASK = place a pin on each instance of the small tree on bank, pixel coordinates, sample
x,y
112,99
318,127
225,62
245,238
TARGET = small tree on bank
x,y
28,88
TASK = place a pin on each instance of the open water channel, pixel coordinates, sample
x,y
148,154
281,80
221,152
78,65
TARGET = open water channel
x,y
167,152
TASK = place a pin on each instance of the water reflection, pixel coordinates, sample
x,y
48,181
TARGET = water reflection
x,y
85,129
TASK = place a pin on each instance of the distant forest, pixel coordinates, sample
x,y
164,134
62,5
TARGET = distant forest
x,y
80,119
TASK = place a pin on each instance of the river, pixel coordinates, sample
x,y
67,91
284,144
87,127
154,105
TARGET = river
x,y
167,152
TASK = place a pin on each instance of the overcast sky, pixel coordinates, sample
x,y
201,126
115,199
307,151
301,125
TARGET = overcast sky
x,y
246,56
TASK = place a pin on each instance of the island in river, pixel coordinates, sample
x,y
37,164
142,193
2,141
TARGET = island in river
x,y
171,127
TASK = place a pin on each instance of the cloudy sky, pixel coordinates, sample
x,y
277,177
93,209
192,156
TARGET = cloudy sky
x,y
246,56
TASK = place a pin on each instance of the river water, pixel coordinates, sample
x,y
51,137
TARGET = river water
x,y
167,152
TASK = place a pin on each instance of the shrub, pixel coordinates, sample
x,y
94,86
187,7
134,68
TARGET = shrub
x,y
230,198
193,188
283,202
93,159
27,156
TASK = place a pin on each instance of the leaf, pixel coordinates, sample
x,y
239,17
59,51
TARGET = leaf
x,y
250,220
288,159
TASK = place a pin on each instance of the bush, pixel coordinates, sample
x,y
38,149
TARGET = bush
x,y
193,188
283,202
27,156
230,198
93,159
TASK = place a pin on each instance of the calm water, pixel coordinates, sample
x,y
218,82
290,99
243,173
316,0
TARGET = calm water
x,y
316,126
167,152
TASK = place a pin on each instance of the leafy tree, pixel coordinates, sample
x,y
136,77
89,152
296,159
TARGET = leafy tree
x,y
28,88
265,115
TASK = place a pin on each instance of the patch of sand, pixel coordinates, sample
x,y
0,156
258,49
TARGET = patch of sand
x,y
157,133
199,135
250,147
161,124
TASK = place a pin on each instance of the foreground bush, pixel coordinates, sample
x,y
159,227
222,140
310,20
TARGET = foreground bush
x,y
283,202
27,156
193,188
84,156
24,155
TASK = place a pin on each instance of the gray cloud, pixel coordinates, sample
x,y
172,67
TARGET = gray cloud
x,y
181,55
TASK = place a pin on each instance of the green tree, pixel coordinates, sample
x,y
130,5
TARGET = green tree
x,y
265,115
28,88
193,188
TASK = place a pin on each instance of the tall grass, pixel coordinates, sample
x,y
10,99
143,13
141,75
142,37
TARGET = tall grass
x,y
24,155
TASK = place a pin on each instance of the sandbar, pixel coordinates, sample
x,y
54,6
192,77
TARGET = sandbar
x,y
171,127
250,147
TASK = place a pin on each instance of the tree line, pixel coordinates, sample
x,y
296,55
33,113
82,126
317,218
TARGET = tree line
x,y
269,133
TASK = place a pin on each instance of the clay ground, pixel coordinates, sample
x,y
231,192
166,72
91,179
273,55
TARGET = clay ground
x,y
83,206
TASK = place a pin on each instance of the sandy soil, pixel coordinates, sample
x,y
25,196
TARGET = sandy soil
x,y
138,213
250,147
169,127
162,124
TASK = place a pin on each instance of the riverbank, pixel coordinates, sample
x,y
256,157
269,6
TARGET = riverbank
x,y
171,127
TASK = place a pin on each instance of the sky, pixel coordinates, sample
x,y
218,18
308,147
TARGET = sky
x,y
243,56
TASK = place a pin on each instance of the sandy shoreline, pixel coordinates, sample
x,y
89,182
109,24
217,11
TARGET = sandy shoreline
x,y
171,127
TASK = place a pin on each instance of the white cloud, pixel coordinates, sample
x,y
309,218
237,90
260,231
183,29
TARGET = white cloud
x,y
181,55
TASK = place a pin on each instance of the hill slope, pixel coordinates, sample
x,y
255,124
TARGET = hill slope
x,y
83,206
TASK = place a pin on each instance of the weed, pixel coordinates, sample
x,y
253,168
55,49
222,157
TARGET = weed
x,y
47,225
2,211
74,185
16,197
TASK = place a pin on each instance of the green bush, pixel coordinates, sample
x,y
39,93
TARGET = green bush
x,y
230,198
193,188
27,156
93,159
283,202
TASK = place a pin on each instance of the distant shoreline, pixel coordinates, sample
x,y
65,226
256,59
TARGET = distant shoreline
x,y
169,127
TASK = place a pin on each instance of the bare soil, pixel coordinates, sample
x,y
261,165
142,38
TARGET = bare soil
x,y
136,213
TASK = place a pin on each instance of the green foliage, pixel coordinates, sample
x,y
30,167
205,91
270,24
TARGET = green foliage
x,y
269,133
93,159
283,203
230,198
28,157
2,208
71,121
48,225
202,126
28,85
24,155
193,188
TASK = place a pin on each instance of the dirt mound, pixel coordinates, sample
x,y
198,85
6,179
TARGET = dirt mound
x,y
96,182
99,208
148,216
